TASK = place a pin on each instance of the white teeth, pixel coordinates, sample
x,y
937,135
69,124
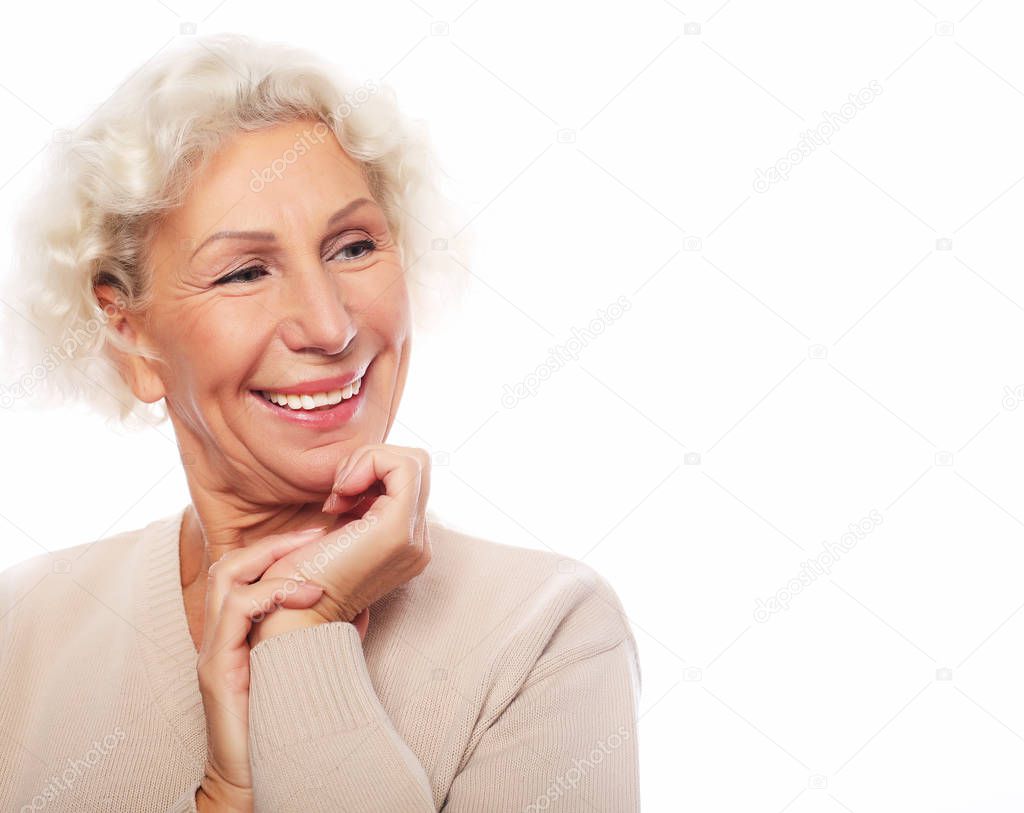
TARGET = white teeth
x,y
314,400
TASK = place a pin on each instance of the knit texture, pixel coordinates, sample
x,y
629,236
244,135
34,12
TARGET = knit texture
x,y
498,679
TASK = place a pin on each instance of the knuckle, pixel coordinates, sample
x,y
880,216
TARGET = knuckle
x,y
222,565
415,477
212,581
359,451
278,592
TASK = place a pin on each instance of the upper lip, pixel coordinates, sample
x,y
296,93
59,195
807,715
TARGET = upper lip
x,y
319,384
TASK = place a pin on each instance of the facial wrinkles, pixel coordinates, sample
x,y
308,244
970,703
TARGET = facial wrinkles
x,y
226,339
183,396
180,314
230,465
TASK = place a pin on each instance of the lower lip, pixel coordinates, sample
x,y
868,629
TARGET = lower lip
x,y
330,418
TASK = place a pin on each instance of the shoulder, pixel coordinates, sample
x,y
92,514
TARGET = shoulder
x,y
62,579
505,592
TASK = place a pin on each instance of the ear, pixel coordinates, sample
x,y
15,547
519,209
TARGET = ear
x,y
140,373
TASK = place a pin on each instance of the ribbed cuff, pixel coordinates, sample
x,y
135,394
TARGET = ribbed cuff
x,y
186,803
306,684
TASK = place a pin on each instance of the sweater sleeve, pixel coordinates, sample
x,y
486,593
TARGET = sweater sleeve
x,y
319,738
186,803
567,741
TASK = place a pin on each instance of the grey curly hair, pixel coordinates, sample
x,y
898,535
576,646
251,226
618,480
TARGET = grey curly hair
x,y
106,184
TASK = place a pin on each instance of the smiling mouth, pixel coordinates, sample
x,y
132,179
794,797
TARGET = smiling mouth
x,y
313,402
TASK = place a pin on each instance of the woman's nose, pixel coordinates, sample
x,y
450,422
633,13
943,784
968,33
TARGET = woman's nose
x,y
317,317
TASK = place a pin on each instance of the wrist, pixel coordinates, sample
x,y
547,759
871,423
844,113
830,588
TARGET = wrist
x,y
213,796
282,620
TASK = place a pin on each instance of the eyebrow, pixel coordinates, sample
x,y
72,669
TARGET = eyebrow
x,y
269,236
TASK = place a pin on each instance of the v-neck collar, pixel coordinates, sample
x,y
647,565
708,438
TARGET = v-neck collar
x,y
169,655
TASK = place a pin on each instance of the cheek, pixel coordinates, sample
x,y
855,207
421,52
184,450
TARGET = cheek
x,y
384,306
220,344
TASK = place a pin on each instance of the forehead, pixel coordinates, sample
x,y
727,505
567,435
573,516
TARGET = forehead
x,y
287,171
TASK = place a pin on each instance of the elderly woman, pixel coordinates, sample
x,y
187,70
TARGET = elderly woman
x,y
244,228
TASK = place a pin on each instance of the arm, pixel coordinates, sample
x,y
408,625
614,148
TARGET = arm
x,y
567,741
319,738
186,803
321,741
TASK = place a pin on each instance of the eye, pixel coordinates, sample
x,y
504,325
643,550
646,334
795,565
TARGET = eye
x,y
254,272
367,246
236,276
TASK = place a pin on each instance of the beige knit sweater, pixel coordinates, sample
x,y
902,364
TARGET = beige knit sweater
x,y
499,679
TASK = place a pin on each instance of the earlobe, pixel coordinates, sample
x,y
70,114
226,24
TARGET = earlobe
x,y
145,383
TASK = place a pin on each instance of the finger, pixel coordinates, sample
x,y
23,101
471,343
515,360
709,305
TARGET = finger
x,y
399,473
427,551
246,603
425,469
345,466
398,476
336,502
426,464
357,456
245,565
406,484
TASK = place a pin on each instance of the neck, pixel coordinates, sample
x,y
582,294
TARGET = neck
x,y
223,516
212,527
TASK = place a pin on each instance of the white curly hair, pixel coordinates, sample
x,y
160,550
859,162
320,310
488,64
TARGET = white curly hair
x,y
105,185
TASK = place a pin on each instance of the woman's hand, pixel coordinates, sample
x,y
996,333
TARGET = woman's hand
x,y
386,489
235,596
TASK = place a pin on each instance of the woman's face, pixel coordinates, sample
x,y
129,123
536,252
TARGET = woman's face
x,y
272,286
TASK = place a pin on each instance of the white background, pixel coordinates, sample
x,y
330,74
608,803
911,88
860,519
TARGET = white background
x,y
847,341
